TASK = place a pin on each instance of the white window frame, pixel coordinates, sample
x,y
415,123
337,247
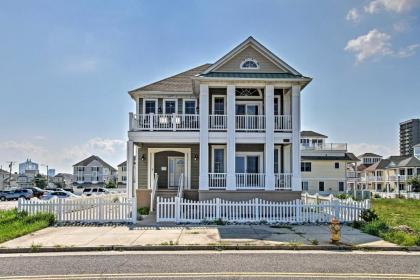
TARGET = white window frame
x,y
150,99
183,105
221,147
307,185
249,102
164,105
260,159
213,98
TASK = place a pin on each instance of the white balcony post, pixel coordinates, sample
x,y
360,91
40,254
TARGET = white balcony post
x,y
151,121
204,137
130,121
130,169
296,179
269,138
231,142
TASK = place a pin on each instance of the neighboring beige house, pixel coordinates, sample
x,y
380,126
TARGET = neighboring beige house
x,y
93,170
324,165
122,174
63,180
230,129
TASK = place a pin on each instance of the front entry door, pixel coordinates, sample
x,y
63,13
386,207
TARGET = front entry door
x,y
176,167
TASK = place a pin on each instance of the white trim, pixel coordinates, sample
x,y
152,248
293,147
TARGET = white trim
x,y
150,99
260,159
189,99
164,105
213,147
224,103
260,95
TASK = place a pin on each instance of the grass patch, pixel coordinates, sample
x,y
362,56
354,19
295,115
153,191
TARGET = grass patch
x,y
398,221
14,224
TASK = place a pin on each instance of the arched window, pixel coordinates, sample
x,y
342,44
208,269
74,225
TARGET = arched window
x,y
250,63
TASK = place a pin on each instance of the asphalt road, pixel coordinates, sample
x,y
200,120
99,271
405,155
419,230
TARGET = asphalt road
x,y
212,265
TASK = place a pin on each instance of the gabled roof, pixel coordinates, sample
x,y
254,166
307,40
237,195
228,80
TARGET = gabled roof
x,y
122,163
395,162
92,158
409,162
181,82
3,171
310,133
368,155
250,41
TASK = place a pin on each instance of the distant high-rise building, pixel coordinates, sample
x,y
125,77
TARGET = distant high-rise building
x,y
409,136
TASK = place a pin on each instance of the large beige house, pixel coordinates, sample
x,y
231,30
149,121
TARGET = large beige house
x,y
324,165
228,129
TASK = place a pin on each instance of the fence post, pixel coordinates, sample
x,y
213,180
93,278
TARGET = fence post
x,y
217,208
133,201
19,208
257,209
177,209
336,204
100,210
298,211
317,198
59,210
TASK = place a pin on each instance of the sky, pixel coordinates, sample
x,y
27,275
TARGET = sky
x,y
66,67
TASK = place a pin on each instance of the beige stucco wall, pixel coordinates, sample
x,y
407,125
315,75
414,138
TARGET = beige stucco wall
x,y
233,65
325,171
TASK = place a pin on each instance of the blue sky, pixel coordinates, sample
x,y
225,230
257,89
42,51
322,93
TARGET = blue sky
x,y
66,66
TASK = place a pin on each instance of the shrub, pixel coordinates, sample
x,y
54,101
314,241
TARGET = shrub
x,y
368,215
357,224
375,227
342,196
143,211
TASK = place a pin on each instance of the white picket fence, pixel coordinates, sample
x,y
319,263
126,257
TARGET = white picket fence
x,y
101,209
180,210
408,195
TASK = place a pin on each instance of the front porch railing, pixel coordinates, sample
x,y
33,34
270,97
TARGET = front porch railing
x,y
164,122
217,181
218,122
282,123
283,181
250,180
250,122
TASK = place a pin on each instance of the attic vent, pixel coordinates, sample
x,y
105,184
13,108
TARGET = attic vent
x,y
250,63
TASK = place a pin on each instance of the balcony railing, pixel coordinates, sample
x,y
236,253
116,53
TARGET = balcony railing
x,y
282,123
165,122
352,174
250,180
283,181
324,147
217,181
403,178
218,122
371,178
250,122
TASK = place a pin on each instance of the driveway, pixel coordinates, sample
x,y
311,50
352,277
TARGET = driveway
x,y
87,236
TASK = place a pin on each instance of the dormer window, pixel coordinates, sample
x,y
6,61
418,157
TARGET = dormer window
x,y
250,63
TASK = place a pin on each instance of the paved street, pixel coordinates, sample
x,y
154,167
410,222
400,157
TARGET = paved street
x,y
88,236
212,265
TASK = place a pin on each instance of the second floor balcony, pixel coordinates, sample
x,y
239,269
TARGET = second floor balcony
x,y
191,122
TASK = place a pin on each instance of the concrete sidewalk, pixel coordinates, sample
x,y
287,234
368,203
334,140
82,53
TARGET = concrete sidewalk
x,y
91,236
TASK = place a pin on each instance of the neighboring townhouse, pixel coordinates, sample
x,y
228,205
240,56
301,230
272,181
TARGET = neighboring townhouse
x,y
63,180
389,173
25,181
122,173
324,165
230,129
93,170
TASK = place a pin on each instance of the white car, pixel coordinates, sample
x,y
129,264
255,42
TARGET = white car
x,y
95,191
58,194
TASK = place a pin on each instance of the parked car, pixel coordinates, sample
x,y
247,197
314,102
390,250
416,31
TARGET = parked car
x,y
16,194
95,191
36,191
58,194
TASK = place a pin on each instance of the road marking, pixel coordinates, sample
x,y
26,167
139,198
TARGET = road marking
x,y
314,275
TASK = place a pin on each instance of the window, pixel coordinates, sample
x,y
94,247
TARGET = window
x,y
94,168
150,106
276,106
219,106
219,160
250,63
305,185
409,171
321,186
304,142
170,106
124,168
189,107
341,186
337,165
123,178
247,163
305,167
276,161
402,171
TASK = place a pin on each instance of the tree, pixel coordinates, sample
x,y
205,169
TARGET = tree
x,y
40,181
415,183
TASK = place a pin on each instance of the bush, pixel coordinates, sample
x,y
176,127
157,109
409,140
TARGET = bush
x,y
343,196
357,224
368,215
375,227
143,211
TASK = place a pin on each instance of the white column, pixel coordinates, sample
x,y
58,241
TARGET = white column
x,y
130,169
296,179
204,137
269,138
231,149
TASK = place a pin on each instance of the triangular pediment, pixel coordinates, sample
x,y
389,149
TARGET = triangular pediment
x,y
251,50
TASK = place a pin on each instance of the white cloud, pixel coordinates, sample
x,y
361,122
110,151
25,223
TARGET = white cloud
x,y
353,15
81,65
372,45
408,51
397,6
382,150
400,26
62,158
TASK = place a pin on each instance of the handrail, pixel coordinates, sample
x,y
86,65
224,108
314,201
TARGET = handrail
x,y
153,193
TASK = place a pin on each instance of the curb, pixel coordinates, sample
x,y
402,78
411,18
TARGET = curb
x,y
220,247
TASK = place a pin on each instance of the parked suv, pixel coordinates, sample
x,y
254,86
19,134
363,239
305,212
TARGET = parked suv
x,y
37,192
95,191
16,194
